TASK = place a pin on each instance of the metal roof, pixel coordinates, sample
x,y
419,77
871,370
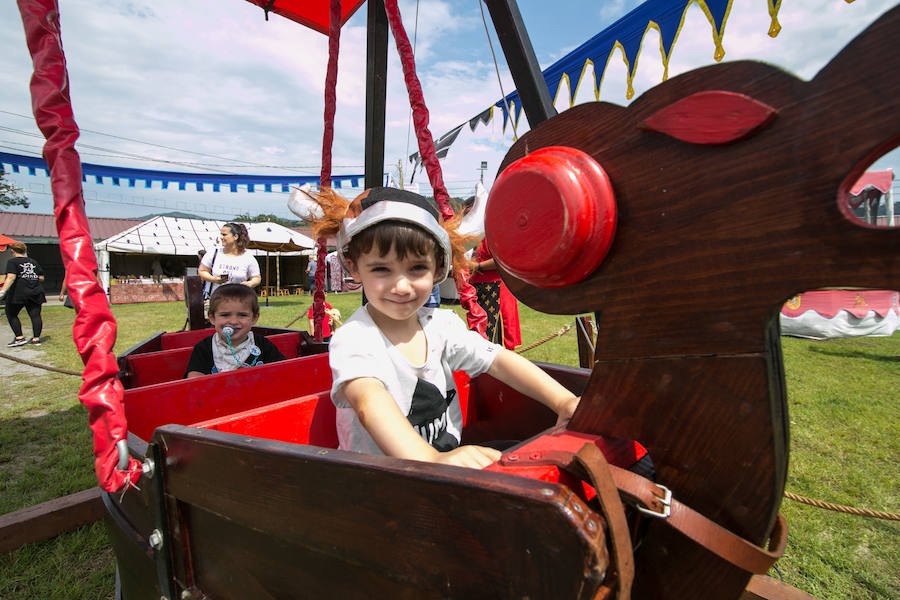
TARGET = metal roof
x,y
37,228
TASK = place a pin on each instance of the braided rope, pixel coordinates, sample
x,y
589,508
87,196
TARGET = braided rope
x,y
38,365
861,512
562,331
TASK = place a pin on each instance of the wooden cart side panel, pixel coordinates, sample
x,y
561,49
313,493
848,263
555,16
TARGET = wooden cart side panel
x,y
410,529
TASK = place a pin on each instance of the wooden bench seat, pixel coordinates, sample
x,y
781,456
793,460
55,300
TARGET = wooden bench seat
x,y
150,368
188,401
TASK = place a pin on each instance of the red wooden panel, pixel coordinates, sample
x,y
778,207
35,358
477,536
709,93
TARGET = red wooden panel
x,y
713,117
305,420
152,368
187,401
156,367
182,339
288,343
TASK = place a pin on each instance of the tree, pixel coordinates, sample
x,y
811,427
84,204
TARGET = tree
x,y
10,195
246,218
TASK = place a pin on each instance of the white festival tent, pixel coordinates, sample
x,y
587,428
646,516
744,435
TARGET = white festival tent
x,y
176,236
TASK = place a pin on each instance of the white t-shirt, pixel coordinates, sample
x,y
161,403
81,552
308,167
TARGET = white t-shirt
x,y
238,268
425,393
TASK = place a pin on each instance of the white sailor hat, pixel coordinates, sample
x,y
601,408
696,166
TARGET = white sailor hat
x,y
391,204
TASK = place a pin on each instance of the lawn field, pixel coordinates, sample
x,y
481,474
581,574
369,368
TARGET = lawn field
x,y
843,399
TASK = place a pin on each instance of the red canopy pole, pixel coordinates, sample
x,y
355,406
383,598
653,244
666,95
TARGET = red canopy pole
x,y
475,315
94,330
334,43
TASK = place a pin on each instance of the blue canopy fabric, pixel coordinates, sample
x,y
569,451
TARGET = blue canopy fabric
x,y
625,35
216,181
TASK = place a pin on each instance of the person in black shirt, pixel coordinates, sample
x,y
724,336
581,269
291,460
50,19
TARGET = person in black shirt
x,y
23,288
233,311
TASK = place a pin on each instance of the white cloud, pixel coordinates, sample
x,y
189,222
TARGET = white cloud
x,y
215,78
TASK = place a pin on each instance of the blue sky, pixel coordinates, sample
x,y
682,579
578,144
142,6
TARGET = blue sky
x,y
210,86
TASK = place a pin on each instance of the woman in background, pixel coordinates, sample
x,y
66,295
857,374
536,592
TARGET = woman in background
x,y
231,263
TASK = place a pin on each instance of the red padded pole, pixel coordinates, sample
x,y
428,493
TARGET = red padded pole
x,y
476,317
334,44
94,330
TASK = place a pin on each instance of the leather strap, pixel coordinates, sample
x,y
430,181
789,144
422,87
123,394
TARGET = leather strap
x,y
643,493
656,501
592,463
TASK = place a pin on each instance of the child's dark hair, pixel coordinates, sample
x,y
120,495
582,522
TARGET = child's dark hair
x,y
233,291
404,237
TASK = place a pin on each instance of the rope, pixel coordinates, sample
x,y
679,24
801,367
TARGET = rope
x,y
297,318
562,331
508,105
860,512
38,365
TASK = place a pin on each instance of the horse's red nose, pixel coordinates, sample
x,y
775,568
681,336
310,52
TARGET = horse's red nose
x,y
551,216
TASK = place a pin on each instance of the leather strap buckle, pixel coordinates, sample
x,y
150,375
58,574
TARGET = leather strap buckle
x,y
665,501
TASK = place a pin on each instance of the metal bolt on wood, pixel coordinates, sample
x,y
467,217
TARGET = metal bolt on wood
x,y
156,539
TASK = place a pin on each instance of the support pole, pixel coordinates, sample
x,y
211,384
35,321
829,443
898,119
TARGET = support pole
x,y
523,65
376,97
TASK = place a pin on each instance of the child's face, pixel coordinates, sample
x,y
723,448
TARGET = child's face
x,y
235,314
395,288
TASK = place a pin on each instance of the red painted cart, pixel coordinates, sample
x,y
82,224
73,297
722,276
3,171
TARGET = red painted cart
x,y
243,495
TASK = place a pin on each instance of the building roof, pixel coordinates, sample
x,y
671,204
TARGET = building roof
x,y
36,228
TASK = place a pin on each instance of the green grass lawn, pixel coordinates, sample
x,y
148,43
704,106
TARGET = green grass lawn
x,y
845,448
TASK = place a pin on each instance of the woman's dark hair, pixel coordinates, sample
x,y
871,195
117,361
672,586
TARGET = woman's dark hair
x,y
233,291
239,230
405,238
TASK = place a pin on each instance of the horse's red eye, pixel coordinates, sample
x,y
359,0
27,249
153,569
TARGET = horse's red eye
x,y
551,217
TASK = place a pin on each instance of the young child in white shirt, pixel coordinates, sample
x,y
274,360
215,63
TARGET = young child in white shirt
x,y
393,359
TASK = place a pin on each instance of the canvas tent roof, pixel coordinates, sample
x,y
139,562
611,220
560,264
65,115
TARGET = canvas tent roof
x,y
880,180
186,237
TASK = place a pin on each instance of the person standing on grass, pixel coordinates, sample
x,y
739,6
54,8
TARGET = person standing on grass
x,y
311,275
23,288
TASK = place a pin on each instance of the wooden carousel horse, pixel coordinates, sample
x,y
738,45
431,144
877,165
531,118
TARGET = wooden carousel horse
x,y
685,221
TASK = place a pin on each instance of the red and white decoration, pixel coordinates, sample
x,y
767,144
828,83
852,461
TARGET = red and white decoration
x,y
827,314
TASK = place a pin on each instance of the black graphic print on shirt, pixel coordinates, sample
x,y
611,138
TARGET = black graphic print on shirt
x,y
428,415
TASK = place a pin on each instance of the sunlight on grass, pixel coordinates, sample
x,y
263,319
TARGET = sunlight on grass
x,y
843,397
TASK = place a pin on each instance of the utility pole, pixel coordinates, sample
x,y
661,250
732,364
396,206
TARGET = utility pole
x,y
483,168
400,172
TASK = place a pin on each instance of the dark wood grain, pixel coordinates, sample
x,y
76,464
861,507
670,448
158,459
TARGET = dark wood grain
x,y
49,519
337,524
710,242
193,301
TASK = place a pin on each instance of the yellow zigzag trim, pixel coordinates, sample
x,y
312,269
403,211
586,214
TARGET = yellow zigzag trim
x,y
774,7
